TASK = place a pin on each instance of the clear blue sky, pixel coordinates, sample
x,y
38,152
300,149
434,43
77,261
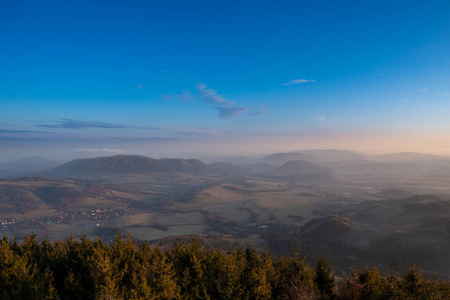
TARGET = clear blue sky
x,y
187,78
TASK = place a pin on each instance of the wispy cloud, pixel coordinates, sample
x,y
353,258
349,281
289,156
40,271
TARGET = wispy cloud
x,y
297,81
319,119
446,94
185,96
228,112
225,107
423,90
211,96
79,125
20,131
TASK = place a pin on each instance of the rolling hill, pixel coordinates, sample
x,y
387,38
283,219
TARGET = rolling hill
x,y
278,159
301,167
32,193
407,157
24,166
125,164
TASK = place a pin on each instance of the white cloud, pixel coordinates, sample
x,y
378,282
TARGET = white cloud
x,y
424,90
297,81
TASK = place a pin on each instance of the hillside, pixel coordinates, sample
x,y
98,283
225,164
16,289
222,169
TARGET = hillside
x,y
315,156
23,195
278,159
300,167
331,155
340,233
123,164
407,156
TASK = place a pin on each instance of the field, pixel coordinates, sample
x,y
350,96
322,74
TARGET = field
x,y
352,215
227,208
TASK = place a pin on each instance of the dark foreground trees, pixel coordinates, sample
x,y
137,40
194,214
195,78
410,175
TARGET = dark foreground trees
x,y
85,269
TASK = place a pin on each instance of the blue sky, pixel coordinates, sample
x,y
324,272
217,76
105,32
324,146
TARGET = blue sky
x,y
193,78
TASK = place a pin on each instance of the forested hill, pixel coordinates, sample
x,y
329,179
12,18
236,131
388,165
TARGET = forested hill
x,y
86,269
125,164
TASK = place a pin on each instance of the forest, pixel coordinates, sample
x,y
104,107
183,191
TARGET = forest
x,y
81,268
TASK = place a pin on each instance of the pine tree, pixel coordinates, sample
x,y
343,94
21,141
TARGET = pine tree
x,y
412,281
324,278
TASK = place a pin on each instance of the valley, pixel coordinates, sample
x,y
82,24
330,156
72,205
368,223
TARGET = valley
x,y
357,211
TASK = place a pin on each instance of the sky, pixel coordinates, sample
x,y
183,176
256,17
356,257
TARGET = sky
x,y
210,78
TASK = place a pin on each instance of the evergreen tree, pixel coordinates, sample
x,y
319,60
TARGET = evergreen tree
x,y
324,278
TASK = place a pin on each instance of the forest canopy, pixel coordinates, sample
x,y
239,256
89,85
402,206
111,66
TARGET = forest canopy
x,y
91,269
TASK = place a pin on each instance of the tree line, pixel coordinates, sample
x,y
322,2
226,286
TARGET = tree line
x,y
91,269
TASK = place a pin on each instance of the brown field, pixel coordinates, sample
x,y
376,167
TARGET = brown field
x,y
42,211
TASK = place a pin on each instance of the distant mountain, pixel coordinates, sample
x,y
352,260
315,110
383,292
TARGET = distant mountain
x,y
331,155
184,165
125,164
278,159
301,167
23,166
317,156
237,160
300,171
227,169
258,167
407,157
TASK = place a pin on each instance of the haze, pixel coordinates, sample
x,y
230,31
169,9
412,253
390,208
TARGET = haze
x,y
200,78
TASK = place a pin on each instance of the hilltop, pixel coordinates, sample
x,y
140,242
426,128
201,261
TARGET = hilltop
x,y
123,164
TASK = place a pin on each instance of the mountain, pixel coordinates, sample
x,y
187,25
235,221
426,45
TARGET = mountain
x,y
331,155
258,167
301,167
316,156
407,157
300,171
125,164
278,159
227,169
327,228
343,236
44,194
26,165
184,165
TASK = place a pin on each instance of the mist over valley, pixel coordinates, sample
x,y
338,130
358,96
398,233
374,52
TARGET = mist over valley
x,y
354,208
